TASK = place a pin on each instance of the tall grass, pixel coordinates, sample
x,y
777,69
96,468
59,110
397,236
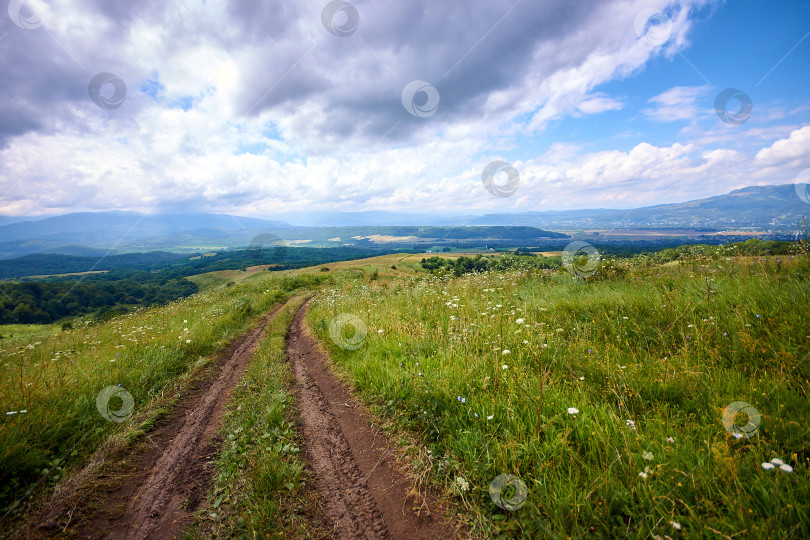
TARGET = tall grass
x,y
48,387
489,370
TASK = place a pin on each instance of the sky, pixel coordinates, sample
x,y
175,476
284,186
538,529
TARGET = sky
x,y
256,108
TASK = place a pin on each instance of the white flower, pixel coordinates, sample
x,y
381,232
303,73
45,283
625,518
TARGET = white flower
x,y
777,461
671,440
572,410
675,524
629,423
463,485
525,342
647,455
504,366
188,341
785,467
506,351
520,321
768,466
582,378
643,475
380,331
490,417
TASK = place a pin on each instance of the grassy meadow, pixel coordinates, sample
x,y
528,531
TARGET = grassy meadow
x,y
614,399
654,399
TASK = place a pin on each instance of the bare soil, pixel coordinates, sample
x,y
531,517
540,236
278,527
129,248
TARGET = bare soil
x,y
365,492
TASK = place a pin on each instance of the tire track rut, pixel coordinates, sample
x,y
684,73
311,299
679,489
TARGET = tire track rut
x,y
173,477
365,495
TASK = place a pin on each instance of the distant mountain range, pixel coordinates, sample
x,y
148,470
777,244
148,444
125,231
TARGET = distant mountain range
x,y
774,208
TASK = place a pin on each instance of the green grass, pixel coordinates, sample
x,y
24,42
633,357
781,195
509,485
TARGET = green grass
x,y
26,332
50,385
666,347
259,489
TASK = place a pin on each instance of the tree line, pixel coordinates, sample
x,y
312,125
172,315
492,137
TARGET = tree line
x,y
45,302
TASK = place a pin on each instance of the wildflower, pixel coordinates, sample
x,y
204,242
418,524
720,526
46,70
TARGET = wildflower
x,y
777,461
785,467
380,331
525,342
643,475
463,485
490,417
647,455
506,351
625,318
504,366
520,321
622,367
768,466
671,440
188,341
629,423
573,410
582,378
476,415
675,524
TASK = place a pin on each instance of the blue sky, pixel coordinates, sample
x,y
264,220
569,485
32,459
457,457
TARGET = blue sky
x,y
256,109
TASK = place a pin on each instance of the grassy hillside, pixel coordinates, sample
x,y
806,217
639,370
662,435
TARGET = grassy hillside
x,y
642,400
614,400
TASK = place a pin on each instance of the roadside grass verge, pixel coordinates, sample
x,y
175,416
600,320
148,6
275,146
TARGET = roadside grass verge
x,y
260,489
49,416
605,397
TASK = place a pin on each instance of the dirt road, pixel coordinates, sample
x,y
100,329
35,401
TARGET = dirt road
x,y
156,496
365,494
